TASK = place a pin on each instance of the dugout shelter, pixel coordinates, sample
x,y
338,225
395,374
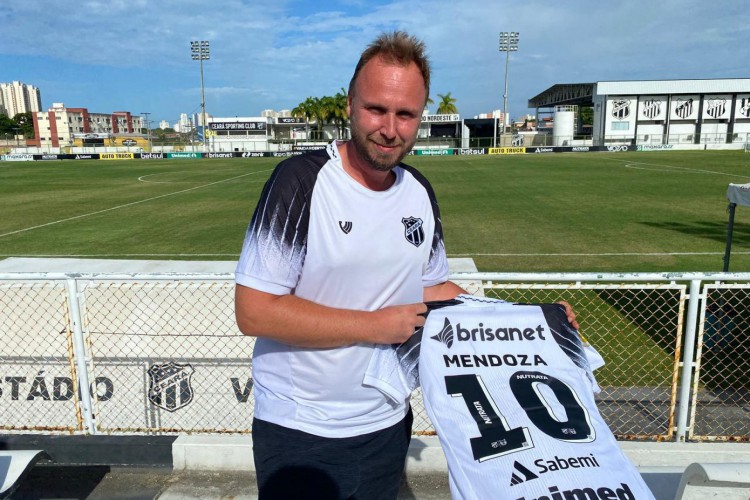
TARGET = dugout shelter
x,y
737,194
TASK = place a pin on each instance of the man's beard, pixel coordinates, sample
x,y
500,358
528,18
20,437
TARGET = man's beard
x,y
380,162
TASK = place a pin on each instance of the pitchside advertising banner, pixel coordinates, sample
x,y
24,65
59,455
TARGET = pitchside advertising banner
x,y
185,155
507,151
116,156
435,152
17,157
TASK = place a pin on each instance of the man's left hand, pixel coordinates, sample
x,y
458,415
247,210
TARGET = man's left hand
x,y
570,314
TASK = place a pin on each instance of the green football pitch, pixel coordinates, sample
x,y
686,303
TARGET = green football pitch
x,y
596,212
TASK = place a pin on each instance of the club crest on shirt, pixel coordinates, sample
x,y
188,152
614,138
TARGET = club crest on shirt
x,y
345,226
413,230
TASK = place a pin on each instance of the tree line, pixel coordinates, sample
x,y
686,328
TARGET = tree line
x,y
331,110
20,124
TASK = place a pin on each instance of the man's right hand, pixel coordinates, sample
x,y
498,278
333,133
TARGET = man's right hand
x,y
397,323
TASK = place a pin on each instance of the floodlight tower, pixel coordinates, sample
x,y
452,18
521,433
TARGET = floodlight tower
x,y
508,44
200,52
148,129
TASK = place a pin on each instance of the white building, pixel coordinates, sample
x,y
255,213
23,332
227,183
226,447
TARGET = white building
x,y
164,124
17,97
714,111
57,126
239,133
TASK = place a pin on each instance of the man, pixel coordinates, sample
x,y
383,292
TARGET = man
x,y
344,247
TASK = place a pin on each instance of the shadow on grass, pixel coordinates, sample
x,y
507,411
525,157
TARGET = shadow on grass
x,y
711,230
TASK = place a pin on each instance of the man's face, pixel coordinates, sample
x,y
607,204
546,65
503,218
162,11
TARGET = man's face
x,y
385,109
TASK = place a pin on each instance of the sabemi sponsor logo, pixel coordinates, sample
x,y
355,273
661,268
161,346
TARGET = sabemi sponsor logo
x,y
586,493
557,463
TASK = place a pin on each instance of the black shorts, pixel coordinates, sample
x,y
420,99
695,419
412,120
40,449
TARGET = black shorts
x,y
292,464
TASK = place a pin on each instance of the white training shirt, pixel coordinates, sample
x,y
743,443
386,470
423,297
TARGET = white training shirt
x,y
509,389
319,234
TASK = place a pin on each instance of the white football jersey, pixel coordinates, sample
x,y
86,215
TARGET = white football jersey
x,y
510,391
320,235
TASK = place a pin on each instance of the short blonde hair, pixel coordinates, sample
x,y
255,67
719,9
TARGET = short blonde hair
x,y
397,47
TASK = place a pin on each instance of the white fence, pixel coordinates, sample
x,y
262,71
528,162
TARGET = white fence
x,y
162,353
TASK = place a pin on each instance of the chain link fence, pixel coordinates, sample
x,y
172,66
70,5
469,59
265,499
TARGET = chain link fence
x,y
162,354
721,390
38,381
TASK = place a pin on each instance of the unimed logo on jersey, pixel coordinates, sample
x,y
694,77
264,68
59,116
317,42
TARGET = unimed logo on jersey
x,y
588,493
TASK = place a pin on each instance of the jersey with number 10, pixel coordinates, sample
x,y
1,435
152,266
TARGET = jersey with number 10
x,y
510,392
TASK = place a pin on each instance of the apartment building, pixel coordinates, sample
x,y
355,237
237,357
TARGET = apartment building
x,y
58,125
18,97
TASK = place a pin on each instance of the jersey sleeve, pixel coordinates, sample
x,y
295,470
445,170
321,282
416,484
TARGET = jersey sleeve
x,y
435,270
276,238
570,342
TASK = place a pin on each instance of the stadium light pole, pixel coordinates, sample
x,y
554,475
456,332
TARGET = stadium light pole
x,y
200,52
148,129
508,44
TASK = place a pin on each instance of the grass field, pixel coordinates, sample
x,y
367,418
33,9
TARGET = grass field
x,y
606,212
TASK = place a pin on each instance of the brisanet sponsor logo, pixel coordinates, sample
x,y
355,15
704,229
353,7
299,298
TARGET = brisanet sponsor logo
x,y
483,333
220,155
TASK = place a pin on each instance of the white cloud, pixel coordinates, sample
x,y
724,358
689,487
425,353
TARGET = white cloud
x,y
284,51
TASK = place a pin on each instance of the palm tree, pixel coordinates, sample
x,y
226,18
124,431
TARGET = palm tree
x,y
447,105
302,110
311,110
338,112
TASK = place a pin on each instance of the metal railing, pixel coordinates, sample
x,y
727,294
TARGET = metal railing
x,y
161,353
510,139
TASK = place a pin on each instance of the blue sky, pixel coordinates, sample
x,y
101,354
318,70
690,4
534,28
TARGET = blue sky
x,y
134,55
